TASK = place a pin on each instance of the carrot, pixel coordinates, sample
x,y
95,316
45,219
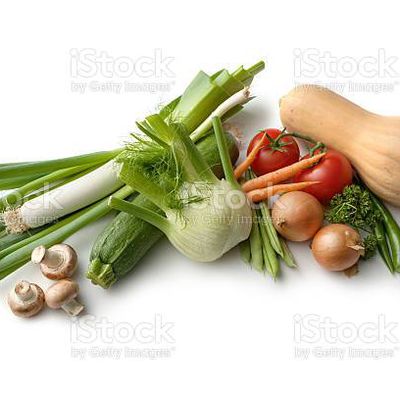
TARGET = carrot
x,y
242,168
280,175
263,194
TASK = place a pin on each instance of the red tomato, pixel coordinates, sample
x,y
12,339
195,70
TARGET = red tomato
x,y
273,155
333,171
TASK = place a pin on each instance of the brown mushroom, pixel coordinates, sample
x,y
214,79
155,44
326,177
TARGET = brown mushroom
x,y
57,262
62,294
26,299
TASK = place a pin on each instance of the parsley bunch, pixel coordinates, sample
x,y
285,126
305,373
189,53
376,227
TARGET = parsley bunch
x,y
354,207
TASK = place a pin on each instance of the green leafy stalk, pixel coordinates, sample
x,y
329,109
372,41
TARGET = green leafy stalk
x,y
46,167
12,183
7,240
143,213
224,152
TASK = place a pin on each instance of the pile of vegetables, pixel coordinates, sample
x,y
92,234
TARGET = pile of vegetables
x,y
314,189
77,189
371,144
177,178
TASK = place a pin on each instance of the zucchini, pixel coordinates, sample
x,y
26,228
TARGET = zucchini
x,y
124,242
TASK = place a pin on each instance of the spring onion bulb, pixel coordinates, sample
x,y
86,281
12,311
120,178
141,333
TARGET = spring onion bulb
x,y
63,200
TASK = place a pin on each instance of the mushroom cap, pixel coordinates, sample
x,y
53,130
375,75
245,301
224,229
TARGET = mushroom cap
x,y
26,299
61,292
57,262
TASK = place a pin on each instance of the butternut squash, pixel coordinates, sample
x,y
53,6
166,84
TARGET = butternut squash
x,y
370,141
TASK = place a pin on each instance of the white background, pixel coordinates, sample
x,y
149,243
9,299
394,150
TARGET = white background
x,y
233,328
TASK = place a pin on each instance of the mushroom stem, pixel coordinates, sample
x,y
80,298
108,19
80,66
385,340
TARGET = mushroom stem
x,y
73,307
26,299
24,291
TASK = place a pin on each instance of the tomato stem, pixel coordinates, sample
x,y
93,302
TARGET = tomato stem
x,y
312,150
319,145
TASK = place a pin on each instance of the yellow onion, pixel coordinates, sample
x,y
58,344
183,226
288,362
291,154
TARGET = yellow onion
x,y
297,216
337,247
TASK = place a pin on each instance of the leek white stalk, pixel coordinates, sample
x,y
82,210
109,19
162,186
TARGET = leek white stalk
x,y
64,200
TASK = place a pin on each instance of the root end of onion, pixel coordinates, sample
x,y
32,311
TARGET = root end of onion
x,y
352,271
280,222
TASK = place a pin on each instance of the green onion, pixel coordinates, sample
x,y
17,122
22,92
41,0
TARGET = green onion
x,y
46,167
12,183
